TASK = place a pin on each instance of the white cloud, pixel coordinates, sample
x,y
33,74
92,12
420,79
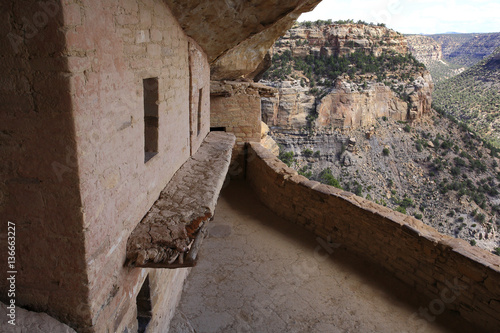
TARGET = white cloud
x,y
415,16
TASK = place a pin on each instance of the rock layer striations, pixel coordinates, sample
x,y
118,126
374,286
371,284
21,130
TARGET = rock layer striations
x,y
355,97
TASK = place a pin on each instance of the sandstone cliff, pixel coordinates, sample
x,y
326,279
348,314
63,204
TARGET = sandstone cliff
x,y
341,39
425,49
348,107
344,76
290,107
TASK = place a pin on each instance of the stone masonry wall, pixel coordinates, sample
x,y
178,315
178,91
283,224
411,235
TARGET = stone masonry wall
x,y
449,271
236,106
74,179
116,45
39,185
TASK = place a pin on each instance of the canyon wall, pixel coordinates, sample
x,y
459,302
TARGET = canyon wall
x,y
355,99
341,39
467,49
347,105
424,48
289,107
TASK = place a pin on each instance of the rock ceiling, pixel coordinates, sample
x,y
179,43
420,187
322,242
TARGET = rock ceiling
x,y
236,34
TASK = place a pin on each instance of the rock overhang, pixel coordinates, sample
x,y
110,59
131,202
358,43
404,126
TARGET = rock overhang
x,y
236,35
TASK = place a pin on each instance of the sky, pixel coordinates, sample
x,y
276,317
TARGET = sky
x,y
414,16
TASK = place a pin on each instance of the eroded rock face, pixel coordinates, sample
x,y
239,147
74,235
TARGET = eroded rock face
x,y
356,99
348,107
342,39
420,94
289,108
237,34
424,48
267,141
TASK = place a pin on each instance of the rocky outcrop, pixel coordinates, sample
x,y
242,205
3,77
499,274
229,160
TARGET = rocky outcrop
x,y
308,99
424,48
341,39
290,107
267,141
348,105
236,35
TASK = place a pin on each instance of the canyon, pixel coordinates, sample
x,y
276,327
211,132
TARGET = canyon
x,y
350,100
377,135
447,55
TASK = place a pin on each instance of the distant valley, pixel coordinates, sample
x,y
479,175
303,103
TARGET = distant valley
x,y
447,55
466,73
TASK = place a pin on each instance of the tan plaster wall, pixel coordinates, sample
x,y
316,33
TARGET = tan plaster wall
x,y
73,95
117,44
39,185
447,270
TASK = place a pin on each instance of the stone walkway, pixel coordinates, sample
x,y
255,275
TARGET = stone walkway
x,y
259,273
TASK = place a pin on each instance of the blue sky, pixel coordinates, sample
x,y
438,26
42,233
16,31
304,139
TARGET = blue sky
x,y
415,16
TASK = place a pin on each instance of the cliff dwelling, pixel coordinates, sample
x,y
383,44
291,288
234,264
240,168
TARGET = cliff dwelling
x,y
121,123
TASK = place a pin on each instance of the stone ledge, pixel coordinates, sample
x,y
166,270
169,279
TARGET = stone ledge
x,y
169,229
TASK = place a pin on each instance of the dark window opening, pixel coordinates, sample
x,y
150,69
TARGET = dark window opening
x,y
150,87
144,308
217,129
200,99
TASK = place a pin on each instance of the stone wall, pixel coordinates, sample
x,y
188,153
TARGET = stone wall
x,y
341,40
74,132
448,271
119,44
39,184
236,107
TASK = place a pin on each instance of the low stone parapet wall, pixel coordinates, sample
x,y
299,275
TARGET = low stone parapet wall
x,y
454,274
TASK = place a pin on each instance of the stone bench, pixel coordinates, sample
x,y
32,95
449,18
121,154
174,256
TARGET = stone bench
x,y
170,234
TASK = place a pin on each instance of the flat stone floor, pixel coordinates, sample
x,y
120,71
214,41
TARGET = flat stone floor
x,y
259,273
